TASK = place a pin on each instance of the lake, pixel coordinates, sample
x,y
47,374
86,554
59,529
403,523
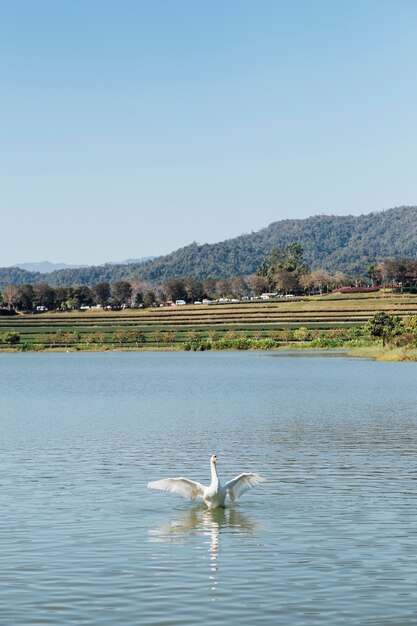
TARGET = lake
x,y
329,539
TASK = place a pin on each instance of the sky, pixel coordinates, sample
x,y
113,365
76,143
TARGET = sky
x,y
130,128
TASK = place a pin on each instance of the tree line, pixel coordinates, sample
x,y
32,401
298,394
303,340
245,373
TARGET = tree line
x,y
283,271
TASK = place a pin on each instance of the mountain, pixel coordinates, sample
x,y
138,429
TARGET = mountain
x,y
334,243
131,261
45,267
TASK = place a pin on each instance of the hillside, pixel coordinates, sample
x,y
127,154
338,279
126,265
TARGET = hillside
x,y
334,243
325,322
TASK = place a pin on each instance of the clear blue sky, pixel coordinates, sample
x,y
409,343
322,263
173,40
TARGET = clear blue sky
x,y
131,127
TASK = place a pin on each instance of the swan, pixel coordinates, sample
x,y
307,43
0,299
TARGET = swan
x,y
215,494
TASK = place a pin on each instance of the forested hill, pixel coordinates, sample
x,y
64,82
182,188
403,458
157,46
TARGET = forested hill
x,y
333,243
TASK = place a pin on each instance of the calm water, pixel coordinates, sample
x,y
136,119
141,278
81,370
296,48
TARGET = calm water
x,y
330,538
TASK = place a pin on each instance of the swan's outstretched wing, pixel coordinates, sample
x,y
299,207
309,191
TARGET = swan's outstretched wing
x,y
184,487
237,486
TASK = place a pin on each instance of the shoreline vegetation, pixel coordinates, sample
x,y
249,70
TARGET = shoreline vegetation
x,y
375,353
379,326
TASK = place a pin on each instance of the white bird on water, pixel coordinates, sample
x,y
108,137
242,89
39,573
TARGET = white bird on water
x,y
215,494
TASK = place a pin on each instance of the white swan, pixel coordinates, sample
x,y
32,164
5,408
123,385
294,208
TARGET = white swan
x,y
215,494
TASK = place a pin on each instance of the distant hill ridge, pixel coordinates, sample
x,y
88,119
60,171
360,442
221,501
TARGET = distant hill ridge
x,y
45,267
333,243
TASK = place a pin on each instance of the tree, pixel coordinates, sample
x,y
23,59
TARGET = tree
x,y
257,284
286,334
194,289
90,338
157,337
11,295
99,337
72,338
26,297
275,335
274,259
302,334
193,335
63,297
12,337
293,258
280,264
381,273
137,299
336,333
44,296
223,288
320,280
339,279
168,337
410,323
375,274
138,288
213,335
136,336
239,287
384,325
149,299
81,296
44,339
176,289
64,338
121,336
209,286
286,281
102,294
307,283
122,292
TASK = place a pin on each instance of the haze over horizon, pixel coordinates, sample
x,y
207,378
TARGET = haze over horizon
x,y
135,128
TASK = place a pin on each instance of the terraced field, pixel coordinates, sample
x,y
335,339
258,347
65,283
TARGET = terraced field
x,y
173,325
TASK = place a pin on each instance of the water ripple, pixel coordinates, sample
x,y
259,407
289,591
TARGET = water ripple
x,y
329,539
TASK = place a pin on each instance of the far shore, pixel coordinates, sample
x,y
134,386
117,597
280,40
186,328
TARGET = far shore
x,y
373,352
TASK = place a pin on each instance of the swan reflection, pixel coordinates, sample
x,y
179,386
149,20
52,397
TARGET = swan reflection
x,y
209,524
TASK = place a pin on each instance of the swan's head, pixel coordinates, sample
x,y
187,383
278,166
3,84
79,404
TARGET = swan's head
x,y
213,459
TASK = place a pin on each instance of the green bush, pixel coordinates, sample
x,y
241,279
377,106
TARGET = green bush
x,y
25,347
199,345
12,338
327,342
244,343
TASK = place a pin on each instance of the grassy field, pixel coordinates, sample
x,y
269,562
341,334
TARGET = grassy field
x,y
267,324
387,353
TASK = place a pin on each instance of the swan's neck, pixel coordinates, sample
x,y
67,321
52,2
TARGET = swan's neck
x,y
214,476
